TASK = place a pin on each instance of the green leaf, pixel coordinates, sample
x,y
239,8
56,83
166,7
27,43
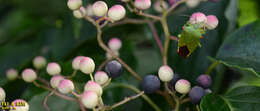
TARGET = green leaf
x,y
213,102
240,49
249,11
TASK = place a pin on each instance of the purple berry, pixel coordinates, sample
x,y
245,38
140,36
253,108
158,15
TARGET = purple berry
x,y
204,81
150,84
114,69
196,94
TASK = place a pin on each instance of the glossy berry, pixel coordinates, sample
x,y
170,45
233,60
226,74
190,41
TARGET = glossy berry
x,y
114,69
89,11
116,12
196,94
87,65
100,8
157,6
76,62
66,86
53,68
212,22
165,73
150,84
29,75
101,77
115,44
80,13
192,3
93,86
39,62
11,74
2,94
18,107
89,99
109,56
172,83
182,86
74,4
142,4
55,80
198,18
204,81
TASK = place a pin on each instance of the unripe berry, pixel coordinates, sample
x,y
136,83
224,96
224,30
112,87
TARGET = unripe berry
x,y
39,62
55,80
18,107
208,91
100,8
142,4
182,86
101,77
87,65
89,11
76,62
114,69
192,3
212,22
165,73
114,44
11,74
109,56
66,86
157,6
29,75
89,99
2,94
74,4
198,18
150,84
204,81
195,94
93,86
116,12
53,68
80,13
172,83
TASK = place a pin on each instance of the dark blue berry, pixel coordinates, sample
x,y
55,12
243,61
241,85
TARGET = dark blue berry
x,y
150,84
172,83
196,94
114,69
204,81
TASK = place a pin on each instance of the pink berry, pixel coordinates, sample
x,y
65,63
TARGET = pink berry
x,y
55,80
142,4
115,44
100,8
53,68
182,86
101,77
212,22
74,4
89,99
76,62
89,11
165,73
93,86
29,75
198,18
18,107
87,65
66,86
11,74
116,12
39,62
157,6
2,94
80,13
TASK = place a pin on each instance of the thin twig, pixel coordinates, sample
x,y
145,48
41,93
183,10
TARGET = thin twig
x,y
45,106
156,36
174,38
73,74
128,21
82,108
185,100
103,64
174,6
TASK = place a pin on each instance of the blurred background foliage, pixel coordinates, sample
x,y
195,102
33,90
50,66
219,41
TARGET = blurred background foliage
x,y
29,28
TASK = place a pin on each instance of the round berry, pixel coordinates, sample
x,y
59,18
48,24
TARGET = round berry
x,y
76,62
195,94
87,65
142,4
171,2
114,69
109,56
89,11
89,99
74,4
101,77
66,86
93,86
80,13
2,94
29,75
55,80
53,68
165,73
198,18
11,74
212,22
157,6
182,86
172,83
150,84
115,44
39,62
100,8
18,107
192,3
116,12
204,81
